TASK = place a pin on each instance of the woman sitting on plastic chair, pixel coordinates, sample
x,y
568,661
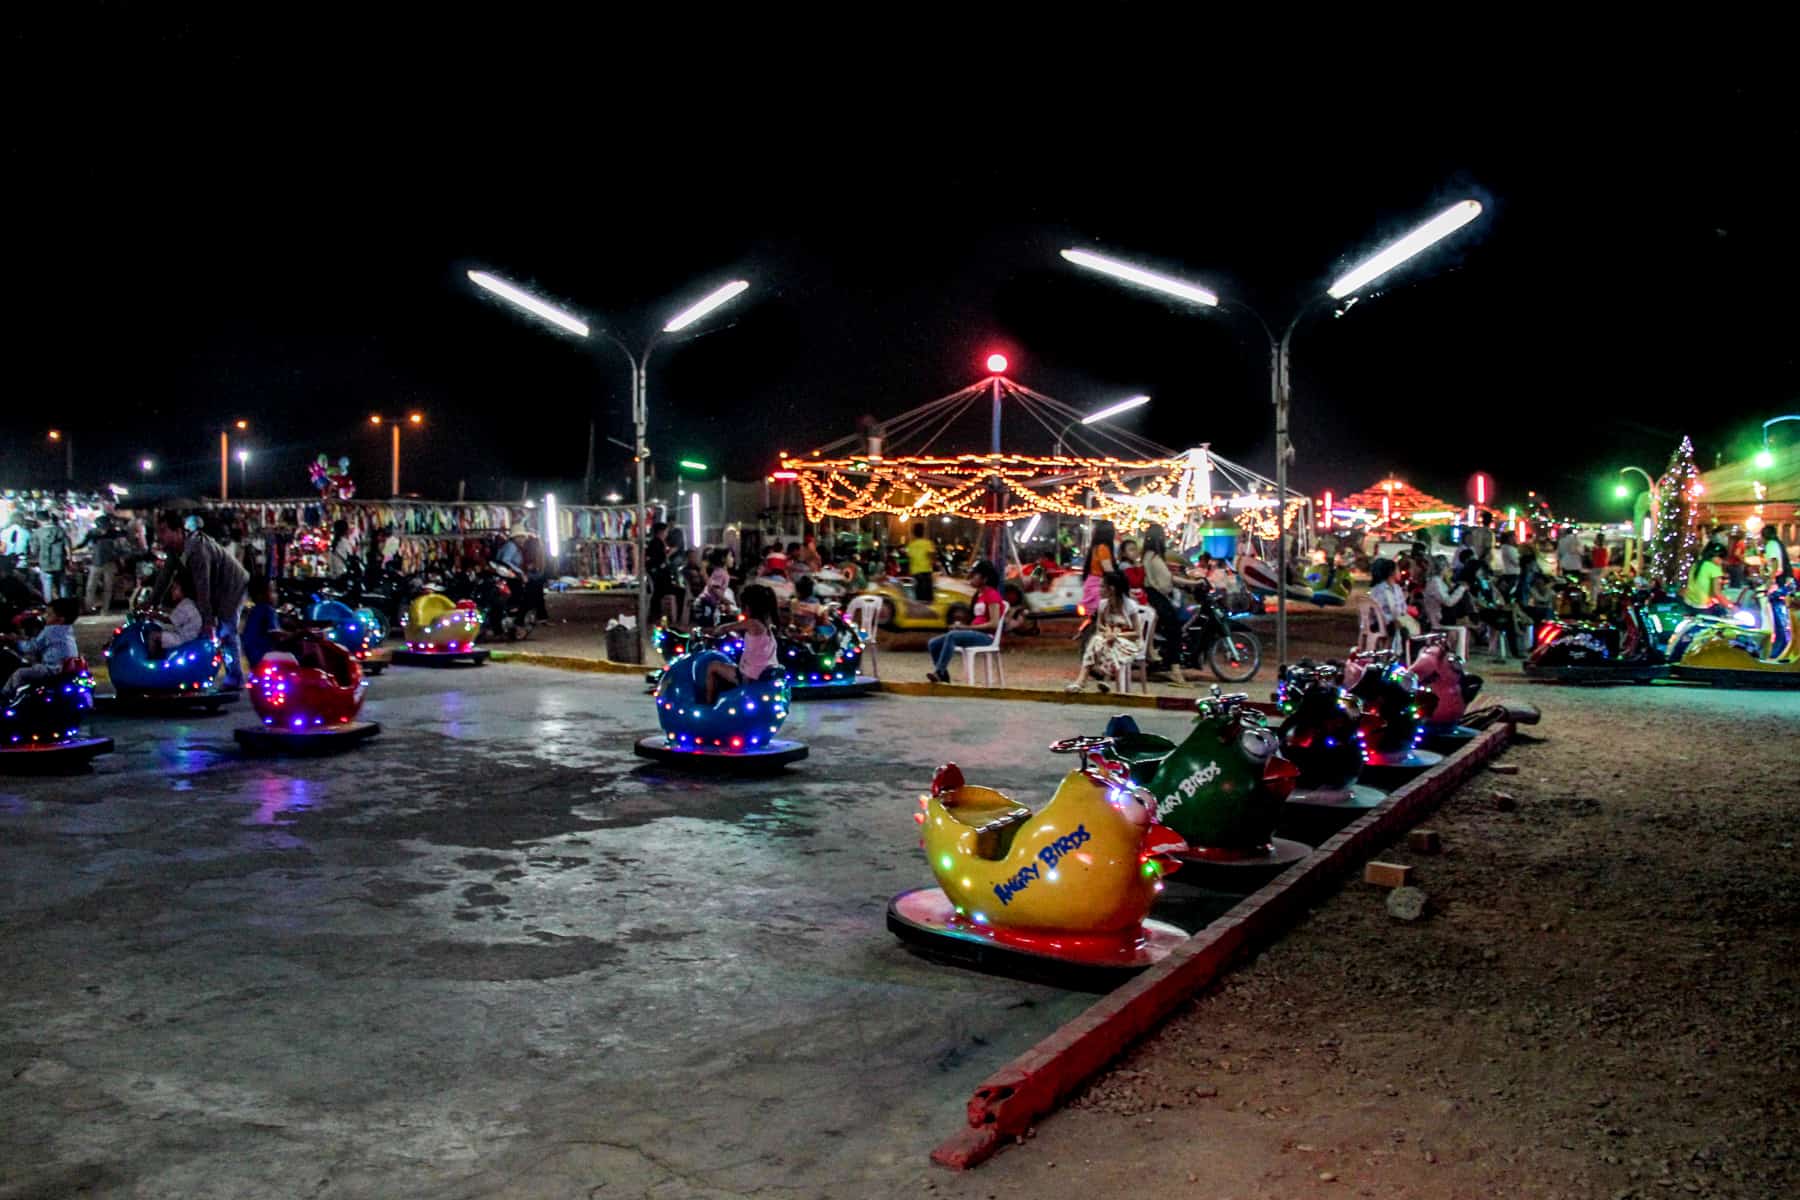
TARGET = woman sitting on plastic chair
x,y
988,607
1115,644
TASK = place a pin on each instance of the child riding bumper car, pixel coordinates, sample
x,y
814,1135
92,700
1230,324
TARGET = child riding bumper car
x,y
40,726
1729,655
307,702
145,674
736,733
1062,892
823,663
441,632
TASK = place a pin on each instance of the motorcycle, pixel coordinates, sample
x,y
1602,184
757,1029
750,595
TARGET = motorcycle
x,y
1064,892
501,595
1212,638
40,727
738,732
307,702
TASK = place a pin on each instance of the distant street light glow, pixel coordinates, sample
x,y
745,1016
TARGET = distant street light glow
x,y
147,465
56,435
1621,491
1166,284
243,457
243,424
688,316
374,418
1389,257
691,465
529,302
417,418
1764,460
613,497
1114,410
996,364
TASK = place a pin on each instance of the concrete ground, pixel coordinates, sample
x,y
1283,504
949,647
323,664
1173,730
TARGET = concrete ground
x,y
490,954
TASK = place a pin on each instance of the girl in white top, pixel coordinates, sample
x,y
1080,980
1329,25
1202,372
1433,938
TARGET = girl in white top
x,y
1115,642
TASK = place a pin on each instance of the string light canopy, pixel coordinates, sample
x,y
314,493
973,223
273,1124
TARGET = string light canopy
x,y
1091,470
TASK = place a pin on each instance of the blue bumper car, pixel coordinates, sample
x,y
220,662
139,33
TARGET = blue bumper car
x,y
358,630
737,733
40,728
186,677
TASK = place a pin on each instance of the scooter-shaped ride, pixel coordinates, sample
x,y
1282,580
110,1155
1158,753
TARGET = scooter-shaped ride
x,y
1395,709
1729,655
1322,732
1441,671
1619,650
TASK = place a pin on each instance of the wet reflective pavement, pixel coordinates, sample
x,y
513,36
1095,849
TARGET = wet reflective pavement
x,y
493,953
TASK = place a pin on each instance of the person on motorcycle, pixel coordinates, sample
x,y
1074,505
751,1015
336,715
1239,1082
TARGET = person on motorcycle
x,y
46,653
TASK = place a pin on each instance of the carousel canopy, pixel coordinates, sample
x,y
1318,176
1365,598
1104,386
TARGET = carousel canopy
x,y
907,466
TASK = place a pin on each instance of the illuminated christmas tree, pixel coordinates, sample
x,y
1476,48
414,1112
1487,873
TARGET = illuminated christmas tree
x,y
1675,545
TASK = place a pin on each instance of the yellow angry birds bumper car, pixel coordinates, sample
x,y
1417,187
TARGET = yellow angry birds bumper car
x,y
441,632
1064,891
1766,655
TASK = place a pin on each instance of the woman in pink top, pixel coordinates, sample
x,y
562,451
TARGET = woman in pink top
x,y
757,630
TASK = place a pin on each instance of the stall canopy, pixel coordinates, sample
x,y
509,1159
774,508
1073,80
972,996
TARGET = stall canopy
x,y
916,465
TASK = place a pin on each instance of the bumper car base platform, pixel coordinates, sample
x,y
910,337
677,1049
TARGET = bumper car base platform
x,y
319,739
440,658
1392,770
167,703
862,685
927,922
778,753
1238,872
49,758
1630,673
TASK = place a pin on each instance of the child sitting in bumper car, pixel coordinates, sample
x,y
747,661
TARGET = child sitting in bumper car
x,y
757,630
46,653
185,624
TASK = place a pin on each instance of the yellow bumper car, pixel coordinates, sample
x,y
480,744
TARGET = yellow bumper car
x,y
441,632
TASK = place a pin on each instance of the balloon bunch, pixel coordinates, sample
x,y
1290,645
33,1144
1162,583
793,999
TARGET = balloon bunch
x,y
332,482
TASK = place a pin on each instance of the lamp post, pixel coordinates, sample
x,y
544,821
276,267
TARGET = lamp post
x,y
413,419
1765,458
640,398
225,457
1643,515
68,445
1377,265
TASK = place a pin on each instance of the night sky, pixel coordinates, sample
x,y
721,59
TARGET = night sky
x,y
224,246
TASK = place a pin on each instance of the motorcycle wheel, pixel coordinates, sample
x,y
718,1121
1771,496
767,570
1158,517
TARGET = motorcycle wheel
x,y
522,628
1235,657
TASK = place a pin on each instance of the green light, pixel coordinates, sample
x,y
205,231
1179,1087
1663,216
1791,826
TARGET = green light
x,y
1621,491
945,861
1764,459
689,464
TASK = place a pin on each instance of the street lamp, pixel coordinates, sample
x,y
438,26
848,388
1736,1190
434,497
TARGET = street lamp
x,y
413,419
243,457
1368,271
640,393
68,445
225,457
147,465
1643,514
1765,458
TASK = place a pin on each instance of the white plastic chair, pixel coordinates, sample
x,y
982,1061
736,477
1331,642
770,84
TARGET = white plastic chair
x,y
1146,631
1372,630
992,664
864,612
1459,640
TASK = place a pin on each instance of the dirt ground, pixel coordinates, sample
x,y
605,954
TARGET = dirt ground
x,y
1601,1004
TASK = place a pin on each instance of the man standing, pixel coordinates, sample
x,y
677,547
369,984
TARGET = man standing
x,y
104,569
1568,552
52,556
1481,539
220,582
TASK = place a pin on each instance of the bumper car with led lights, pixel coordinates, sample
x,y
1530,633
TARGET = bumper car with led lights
x,y
1441,671
185,678
1395,709
40,728
736,734
1627,648
441,632
1731,656
1223,790
951,600
671,644
307,704
1330,585
1319,732
824,666
358,630
1062,894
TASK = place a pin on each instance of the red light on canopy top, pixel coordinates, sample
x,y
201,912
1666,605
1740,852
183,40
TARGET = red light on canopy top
x,y
996,363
